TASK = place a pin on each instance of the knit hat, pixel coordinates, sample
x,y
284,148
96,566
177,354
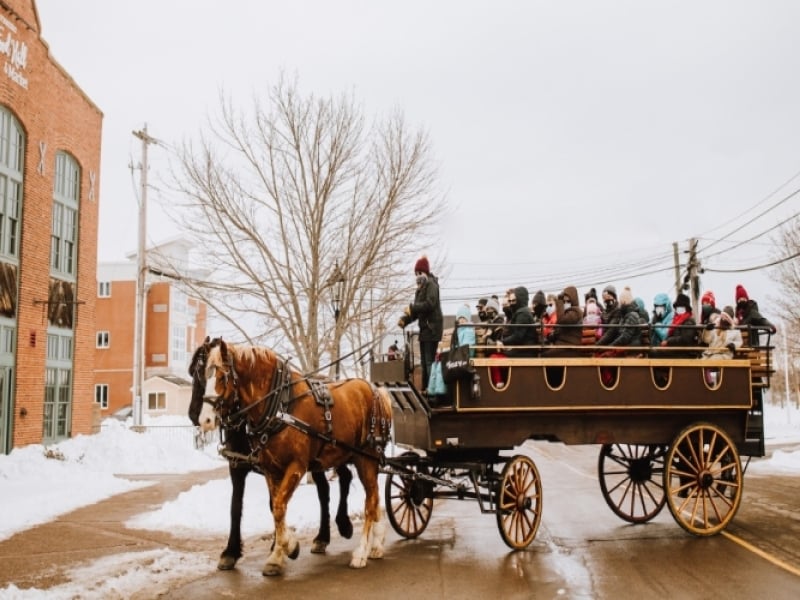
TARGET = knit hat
x,y
463,313
592,293
682,300
422,266
492,304
708,298
481,303
538,298
729,311
611,290
626,297
741,293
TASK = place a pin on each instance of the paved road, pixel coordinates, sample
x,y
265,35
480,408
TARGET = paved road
x,y
581,551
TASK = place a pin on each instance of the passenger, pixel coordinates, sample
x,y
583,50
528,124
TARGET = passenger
x,y
682,332
724,338
722,343
523,334
611,313
465,336
708,307
568,331
644,321
662,318
538,310
550,317
590,295
394,352
493,331
506,306
427,309
592,319
481,309
629,330
747,314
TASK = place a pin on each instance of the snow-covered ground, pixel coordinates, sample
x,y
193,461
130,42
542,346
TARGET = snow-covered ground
x,y
87,469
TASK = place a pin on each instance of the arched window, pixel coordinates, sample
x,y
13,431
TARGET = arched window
x,y
12,144
64,233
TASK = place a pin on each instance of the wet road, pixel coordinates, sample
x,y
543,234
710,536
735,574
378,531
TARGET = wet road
x,y
582,550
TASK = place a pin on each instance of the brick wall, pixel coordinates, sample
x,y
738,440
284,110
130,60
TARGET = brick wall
x,y
56,115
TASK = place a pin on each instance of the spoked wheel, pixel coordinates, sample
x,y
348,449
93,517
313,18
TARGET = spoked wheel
x,y
409,500
632,480
703,479
519,502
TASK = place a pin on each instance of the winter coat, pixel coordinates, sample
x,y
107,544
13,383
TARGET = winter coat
x,y
568,332
683,331
749,316
428,311
629,330
661,324
721,341
520,336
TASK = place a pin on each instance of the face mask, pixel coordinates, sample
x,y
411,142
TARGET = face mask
x,y
741,303
567,305
551,309
659,311
680,310
481,315
610,304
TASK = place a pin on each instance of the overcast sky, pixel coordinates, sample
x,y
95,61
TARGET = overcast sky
x,y
572,137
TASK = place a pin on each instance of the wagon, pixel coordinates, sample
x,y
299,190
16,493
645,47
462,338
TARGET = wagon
x,y
672,428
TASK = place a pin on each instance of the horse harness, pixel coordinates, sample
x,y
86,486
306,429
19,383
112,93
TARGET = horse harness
x,y
276,416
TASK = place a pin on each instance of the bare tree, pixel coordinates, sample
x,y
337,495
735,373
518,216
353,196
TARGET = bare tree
x,y
278,197
787,275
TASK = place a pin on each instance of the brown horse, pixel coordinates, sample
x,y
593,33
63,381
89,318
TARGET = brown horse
x,y
237,450
300,424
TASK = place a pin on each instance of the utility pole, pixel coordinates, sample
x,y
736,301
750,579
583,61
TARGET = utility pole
x,y
141,272
677,262
694,271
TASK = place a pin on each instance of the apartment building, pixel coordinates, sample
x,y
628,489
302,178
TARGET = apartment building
x,y
50,133
174,326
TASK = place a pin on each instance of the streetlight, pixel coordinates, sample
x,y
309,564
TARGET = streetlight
x,y
338,281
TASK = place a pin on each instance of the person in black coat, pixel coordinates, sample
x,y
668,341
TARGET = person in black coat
x,y
427,309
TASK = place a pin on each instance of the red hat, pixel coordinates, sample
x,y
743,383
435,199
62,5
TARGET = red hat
x,y
708,298
422,266
741,293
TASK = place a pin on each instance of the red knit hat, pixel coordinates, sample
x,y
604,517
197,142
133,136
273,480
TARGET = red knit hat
x,y
708,298
741,293
422,266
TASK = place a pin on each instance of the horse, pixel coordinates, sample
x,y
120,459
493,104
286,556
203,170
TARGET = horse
x,y
299,423
237,447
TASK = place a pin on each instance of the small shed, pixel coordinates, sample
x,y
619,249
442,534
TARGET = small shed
x,y
166,395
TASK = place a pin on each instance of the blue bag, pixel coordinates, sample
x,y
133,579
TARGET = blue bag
x,y
436,386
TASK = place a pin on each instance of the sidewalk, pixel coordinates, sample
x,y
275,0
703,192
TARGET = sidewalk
x,y
37,557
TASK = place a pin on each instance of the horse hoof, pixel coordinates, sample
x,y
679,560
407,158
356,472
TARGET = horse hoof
x,y
345,527
296,552
376,553
226,563
318,547
358,563
272,570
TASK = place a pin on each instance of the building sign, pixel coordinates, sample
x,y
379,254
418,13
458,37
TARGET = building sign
x,y
15,52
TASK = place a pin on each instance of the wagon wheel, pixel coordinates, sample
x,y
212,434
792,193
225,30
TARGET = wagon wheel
x,y
703,479
519,502
632,480
409,500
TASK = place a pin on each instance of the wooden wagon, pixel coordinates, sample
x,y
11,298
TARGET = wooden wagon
x,y
672,428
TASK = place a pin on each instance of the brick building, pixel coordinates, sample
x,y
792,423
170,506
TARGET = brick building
x,y
174,325
50,134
